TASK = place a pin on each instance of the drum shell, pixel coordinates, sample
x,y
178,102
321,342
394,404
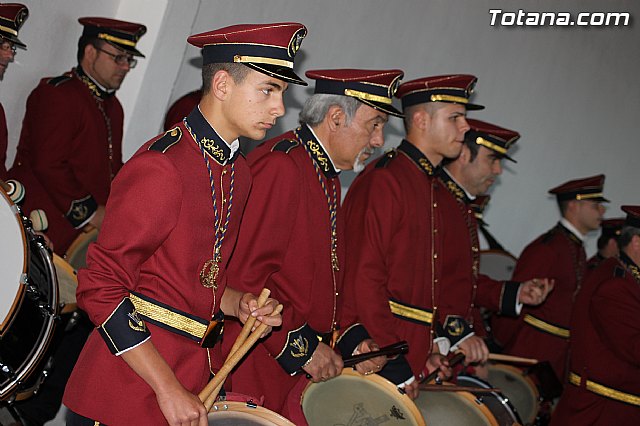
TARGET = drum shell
x,y
443,408
498,404
518,388
237,413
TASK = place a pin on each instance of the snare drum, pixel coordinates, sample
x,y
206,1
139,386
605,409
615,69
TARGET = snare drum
x,y
237,413
67,284
28,304
76,254
518,388
442,408
354,399
498,404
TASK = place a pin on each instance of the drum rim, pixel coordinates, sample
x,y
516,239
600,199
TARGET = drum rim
x,y
45,336
244,407
519,373
383,383
5,324
503,399
473,401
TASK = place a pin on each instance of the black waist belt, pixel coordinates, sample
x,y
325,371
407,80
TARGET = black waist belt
x,y
205,332
541,325
603,390
411,313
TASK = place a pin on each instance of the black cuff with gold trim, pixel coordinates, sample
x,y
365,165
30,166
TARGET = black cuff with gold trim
x,y
509,299
397,370
81,210
351,338
456,328
123,329
297,351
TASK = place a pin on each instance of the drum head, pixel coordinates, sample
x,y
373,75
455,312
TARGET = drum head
x,y
353,399
13,261
76,254
442,408
496,402
497,264
519,389
235,413
67,283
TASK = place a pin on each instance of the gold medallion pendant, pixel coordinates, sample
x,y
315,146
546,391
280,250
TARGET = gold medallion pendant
x,y
209,274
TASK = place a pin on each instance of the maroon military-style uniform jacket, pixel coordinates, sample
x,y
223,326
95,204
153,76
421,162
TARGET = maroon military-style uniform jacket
x,y
4,143
70,148
542,332
158,234
463,288
285,245
394,254
605,349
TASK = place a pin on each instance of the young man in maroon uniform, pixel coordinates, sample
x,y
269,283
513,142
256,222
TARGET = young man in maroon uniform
x,y
70,147
604,371
472,173
394,227
292,236
542,332
156,281
12,16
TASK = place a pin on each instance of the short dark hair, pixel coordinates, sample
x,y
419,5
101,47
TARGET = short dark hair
x,y
237,71
604,238
626,235
563,205
84,41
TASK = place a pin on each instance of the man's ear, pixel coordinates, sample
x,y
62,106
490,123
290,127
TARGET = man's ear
x,y
335,117
421,118
90,52
222,84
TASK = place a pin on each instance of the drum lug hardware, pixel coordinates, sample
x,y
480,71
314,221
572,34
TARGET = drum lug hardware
x,y
7,370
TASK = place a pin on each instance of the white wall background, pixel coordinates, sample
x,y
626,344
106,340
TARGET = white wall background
x,y
572,93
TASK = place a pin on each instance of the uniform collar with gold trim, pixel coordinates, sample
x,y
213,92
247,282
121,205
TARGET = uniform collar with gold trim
x,y
94,87
208,138
630,265
417,157
317,150
572,229
573,235
454,187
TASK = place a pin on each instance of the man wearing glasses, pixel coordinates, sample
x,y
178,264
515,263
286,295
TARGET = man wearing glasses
x,y
70,149
12,16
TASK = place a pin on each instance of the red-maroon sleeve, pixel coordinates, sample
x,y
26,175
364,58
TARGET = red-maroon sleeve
x,y
141,212
3,144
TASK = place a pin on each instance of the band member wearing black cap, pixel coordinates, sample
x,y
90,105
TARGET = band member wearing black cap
x,y
542,332
394,223
292,235
472,173
69,151
156,282
604,369
12,16
70,147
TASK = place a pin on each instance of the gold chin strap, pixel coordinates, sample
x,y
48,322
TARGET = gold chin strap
x,y
367,96
263,60
495,147
118,40
581,197
449,98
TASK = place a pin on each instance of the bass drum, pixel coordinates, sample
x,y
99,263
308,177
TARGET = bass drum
x,y
518,388
497,264
498,404
76,254
236,413
443,408
28,304
354,399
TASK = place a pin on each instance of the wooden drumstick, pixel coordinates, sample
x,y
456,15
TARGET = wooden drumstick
x,y
208,394
456,359
511,358
248,325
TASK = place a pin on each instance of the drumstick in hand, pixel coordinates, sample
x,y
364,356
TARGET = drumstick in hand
x,y
208,395
248,325
511,358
